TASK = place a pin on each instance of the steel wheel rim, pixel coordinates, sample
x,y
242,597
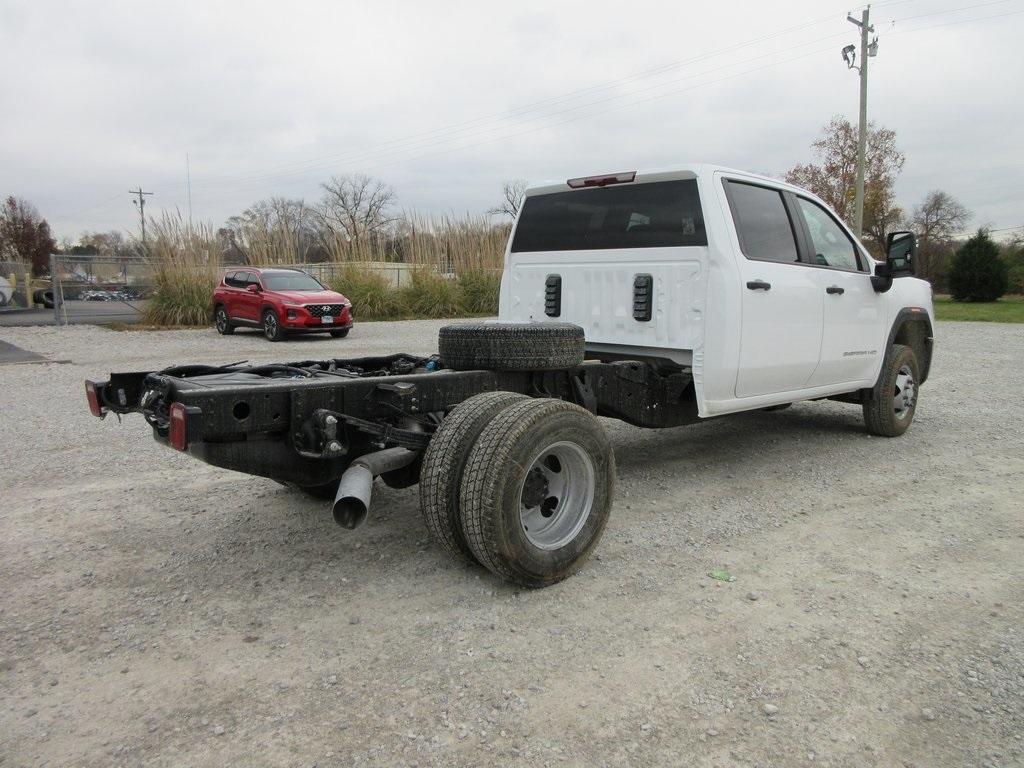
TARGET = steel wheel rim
x,y
557,495
905,392
222,320
269,324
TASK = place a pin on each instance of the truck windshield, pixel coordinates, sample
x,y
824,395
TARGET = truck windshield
x,y
656,215
290,281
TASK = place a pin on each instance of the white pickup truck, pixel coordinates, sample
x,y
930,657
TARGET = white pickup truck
x,y
657,298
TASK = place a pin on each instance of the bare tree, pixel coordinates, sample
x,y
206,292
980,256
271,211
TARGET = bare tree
x,y
937,219
356,208
513,193
832,176
25,235
278,230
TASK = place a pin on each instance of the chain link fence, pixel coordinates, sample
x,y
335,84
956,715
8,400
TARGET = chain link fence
x,y
99,289
398,274
15,285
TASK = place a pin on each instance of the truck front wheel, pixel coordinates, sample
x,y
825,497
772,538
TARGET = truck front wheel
x,y
889,406
537,491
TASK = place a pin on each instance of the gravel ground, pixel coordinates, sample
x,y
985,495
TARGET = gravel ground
x,y
157,611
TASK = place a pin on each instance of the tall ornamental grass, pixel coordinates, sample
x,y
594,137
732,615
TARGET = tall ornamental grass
x,y
185,262
454,269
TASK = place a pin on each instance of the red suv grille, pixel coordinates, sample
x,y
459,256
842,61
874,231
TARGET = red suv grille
x,y
319,310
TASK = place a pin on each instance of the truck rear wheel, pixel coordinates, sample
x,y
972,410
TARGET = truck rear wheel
x,y
890,405
511,346
537,491
443,464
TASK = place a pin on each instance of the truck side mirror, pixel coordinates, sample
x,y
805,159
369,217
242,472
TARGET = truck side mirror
x,y
881,281
900,251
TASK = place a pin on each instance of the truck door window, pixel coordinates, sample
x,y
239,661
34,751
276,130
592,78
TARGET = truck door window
x,y
762,224
655,215
832,246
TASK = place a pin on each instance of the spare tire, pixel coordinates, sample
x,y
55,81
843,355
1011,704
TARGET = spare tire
x,y
510,346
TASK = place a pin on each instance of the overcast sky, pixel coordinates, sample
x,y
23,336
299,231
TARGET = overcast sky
x,y
445,100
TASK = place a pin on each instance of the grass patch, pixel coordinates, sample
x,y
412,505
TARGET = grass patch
x,y
479,291
1009,309
428,294
370,292
186,265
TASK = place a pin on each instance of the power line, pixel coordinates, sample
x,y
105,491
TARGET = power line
x,y
375,155
255,180
534,106
949,10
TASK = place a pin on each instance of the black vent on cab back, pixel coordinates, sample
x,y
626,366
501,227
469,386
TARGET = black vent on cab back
x,y
643,297
553,296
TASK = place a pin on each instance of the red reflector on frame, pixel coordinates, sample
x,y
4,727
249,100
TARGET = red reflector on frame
x,y
92,394
179,427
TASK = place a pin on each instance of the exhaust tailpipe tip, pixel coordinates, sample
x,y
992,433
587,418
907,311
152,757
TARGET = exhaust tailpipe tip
x,y
352,501
349,512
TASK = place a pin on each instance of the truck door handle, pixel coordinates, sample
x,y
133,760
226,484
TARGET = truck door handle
x,y
835,289
759,285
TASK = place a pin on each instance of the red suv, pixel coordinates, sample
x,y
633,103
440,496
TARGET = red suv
x,y
280,301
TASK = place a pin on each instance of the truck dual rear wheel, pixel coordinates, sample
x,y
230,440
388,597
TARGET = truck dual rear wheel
x,y
443,464
537,491
890,405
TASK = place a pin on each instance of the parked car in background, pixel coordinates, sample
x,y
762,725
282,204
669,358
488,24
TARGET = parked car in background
x,y
279,301
98,296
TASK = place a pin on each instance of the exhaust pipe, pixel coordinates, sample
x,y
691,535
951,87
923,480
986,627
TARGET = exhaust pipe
x,y
352,501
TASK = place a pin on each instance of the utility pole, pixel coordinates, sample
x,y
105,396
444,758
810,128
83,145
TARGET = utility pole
x,y
866,52
141,205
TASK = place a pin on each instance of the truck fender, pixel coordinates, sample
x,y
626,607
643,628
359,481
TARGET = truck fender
x,y
913,328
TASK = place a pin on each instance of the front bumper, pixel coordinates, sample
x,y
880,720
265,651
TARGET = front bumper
x,y
301,320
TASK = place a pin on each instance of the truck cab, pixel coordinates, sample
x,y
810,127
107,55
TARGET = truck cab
x,y
753,284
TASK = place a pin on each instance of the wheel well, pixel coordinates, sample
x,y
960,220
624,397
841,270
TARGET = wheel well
x,y
916,334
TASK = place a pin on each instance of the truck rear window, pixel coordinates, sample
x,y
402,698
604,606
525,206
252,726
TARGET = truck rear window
x,y
657,215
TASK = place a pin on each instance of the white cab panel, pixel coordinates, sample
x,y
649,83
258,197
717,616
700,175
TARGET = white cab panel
x,y
597,294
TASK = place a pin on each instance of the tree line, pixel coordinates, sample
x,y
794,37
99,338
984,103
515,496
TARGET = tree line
x,y
356,218
939,219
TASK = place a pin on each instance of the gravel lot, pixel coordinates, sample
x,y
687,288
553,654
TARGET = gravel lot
x,y
157,611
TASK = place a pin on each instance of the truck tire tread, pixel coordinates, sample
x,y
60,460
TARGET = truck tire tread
x,y
443,464
879,416
491,486
511,346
